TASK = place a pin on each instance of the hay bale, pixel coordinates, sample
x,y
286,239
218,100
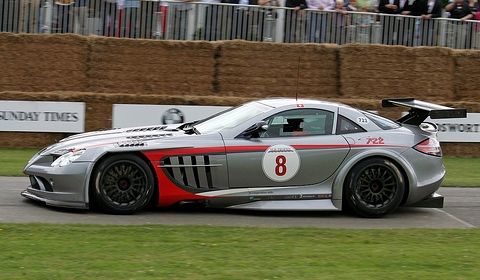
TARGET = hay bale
x,y
37,62
274,69
381,71
465,78
149,66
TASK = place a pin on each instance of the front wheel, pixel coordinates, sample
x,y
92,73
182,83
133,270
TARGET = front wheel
x,y
374,187
122,184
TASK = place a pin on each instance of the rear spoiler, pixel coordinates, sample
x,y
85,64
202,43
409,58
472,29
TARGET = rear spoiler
x,y
420,110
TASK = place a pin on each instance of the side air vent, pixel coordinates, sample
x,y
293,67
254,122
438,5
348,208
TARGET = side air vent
x,y
133,143
150,136
190,171
151,128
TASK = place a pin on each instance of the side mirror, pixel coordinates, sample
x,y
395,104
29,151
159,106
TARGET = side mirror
x,y
254,130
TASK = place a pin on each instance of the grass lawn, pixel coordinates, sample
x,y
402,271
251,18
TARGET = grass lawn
x,y
13,160
462,172
42,251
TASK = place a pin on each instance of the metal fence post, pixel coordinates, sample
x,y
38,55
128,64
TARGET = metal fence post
x,y
269,27
46,18
376,33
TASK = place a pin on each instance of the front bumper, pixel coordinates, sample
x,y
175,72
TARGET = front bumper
x,y
54,199
59,186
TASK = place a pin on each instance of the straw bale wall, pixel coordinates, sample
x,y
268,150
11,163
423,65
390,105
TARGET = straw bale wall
x,y
104,71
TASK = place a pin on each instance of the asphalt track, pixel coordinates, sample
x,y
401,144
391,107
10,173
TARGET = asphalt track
x,y
461,210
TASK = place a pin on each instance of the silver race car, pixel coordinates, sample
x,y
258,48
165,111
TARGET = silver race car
x,y
272,154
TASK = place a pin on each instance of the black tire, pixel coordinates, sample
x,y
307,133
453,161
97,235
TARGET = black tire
x,y
374,188
122,184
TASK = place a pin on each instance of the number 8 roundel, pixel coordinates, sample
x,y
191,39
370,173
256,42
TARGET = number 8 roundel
x,y
280,163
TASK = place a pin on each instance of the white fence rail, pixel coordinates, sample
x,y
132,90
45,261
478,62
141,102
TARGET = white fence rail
x,y
175,20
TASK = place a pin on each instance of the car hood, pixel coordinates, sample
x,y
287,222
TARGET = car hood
x,y
119,137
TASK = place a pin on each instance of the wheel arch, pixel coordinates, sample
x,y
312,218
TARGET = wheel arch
x,y
155,197
404,167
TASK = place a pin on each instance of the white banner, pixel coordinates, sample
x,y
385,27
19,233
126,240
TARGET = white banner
x,y
127,115
41,116
458,130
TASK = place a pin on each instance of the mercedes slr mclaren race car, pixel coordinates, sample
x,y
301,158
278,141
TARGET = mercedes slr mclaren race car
x,y
272,154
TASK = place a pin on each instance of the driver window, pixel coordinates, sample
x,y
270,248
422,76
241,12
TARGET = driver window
x,y
299,122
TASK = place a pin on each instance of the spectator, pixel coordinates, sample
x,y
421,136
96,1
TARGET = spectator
x,y
352,6
181,11
363,24
340,21
476,35
267,19
318,20
459,29
412,25
430,27
28,16
458,9
367,4
213,18
473,4
390,7
294,21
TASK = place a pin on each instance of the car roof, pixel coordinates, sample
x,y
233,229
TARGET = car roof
x,y
280,102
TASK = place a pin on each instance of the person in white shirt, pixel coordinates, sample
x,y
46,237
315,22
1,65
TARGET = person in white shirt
x,y
318,20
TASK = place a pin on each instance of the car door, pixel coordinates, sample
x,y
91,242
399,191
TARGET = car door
x,y
299,148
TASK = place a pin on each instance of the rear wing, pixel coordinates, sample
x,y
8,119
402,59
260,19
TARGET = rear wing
x,y
420,110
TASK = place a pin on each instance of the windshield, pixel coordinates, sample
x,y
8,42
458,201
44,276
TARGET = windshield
x,y
231,118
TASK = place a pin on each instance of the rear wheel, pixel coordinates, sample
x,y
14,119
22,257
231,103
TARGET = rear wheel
x,y
374,187
122,184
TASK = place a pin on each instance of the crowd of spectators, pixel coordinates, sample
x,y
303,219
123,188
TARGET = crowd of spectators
x,y
303,22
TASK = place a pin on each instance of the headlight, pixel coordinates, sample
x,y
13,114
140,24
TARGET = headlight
x,y
66,159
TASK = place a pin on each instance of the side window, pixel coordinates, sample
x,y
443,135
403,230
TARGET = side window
x,y
346,126
299,122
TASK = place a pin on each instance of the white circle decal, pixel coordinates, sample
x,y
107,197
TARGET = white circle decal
x,y
362,120
280,163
